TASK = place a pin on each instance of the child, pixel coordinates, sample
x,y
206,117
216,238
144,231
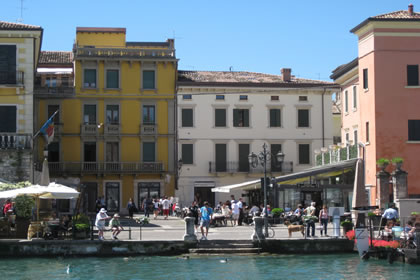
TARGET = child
x,y
115,226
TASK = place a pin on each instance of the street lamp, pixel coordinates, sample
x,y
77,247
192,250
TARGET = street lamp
x,y
264,156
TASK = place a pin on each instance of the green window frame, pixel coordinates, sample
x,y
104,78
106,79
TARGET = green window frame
x,y
149,79
241,117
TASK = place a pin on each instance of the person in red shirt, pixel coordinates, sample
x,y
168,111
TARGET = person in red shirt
x,y
7,207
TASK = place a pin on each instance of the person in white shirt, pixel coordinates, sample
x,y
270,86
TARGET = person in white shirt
x,y
235,213
101,217
165,206
241,211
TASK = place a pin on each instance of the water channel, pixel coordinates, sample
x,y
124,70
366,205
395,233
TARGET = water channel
x,y
345,266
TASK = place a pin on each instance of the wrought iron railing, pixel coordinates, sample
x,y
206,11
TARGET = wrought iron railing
x,y
237,167
335,154
12,78
15,140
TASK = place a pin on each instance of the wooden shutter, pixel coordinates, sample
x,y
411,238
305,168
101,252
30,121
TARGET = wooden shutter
x,y
221,157
303,118
220,117
187,153
187,117
243,157
303,153
7,118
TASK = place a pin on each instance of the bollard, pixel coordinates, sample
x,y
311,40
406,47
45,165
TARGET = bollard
x,y
189,235
258,235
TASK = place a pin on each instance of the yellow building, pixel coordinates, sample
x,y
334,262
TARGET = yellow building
x,y
116,129
19,50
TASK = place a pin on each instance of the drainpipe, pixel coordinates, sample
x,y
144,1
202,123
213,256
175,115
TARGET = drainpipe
x,y
322,118
176,170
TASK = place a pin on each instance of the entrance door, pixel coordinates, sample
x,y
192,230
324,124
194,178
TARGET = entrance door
x,y
112,196
91,194
312,196
147,189
202,194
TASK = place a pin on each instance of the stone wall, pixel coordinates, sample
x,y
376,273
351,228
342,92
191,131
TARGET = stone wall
x,y
15,165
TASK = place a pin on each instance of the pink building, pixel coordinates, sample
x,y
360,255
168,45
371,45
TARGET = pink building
x,y
380,95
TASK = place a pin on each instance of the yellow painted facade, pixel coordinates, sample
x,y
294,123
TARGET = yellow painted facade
x,y
109,149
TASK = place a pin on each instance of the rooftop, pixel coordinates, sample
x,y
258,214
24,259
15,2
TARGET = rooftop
x,y
55,57
232,78
344,68
4,25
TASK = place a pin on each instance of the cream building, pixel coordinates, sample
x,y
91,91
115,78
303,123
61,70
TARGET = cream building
x,y
224,116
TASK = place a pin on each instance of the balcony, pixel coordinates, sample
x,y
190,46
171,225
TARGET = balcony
x,y
112,129
12,78
15,141
59,91
243,167
123,53
89,129
103,168
148,129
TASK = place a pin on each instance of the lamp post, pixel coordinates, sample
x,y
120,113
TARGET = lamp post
x,y
264,156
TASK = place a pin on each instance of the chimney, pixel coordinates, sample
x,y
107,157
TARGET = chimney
x,y
410,9
286,74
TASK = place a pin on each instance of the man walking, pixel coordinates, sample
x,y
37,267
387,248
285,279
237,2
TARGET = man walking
x,y
206,214
241,211
310,223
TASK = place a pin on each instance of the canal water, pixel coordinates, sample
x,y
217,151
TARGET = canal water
x,y
346,266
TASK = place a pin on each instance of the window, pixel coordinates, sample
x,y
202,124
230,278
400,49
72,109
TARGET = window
x,y
8,118
413,130
112,114
187,117
51,82
365,79
112,79
243,97
221,157
89,114
112,196
89,78
275,118
303,98
187,154
149,114
304,154
148,190
112,152
412,75
54,152
51,109
347,137
355,138
275,98
367,131
243,158
220,97
354,97
346,101
303,118
220,117
89,150
149,152
187,96
149,79
240,117
275,149
7,64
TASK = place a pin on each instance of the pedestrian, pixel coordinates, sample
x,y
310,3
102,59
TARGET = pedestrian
x,y
226,213
115,225
148,206
165,206
101,217
131,207
323,219
310,223
235,213
7,207
390,214
206,214
241,211
194,213
155,208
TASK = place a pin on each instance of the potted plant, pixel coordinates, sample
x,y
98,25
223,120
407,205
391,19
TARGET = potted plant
x,y
382,163
375,220
397,162
23,205
347,226
81,226
277,212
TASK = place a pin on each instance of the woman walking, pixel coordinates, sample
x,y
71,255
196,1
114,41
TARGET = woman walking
x,y
323,219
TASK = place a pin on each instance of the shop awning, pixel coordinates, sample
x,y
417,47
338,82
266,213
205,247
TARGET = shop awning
x,y
324,171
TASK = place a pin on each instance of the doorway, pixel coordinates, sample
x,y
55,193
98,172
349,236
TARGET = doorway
x,y
202,194
312,196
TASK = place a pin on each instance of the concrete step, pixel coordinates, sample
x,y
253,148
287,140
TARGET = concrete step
x,y
225,251
209,244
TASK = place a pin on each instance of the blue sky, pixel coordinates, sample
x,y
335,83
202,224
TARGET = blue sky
x,y
311,37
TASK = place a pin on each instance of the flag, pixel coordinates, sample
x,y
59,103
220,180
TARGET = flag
x,y
48,129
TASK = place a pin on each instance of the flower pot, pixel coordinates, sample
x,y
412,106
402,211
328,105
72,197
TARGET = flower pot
x,y
347,228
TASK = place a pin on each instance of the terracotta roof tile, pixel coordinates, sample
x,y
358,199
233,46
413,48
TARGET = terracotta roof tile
x,y
4,25
243,78
404,14
55,57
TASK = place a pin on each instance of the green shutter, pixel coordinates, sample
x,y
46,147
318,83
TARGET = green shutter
x,y
221,158
303,118
187,153
275,118
220,115
243,157
304,154
246,117
149,79
235,117
112,79
8,118
90,78
148,151
187,117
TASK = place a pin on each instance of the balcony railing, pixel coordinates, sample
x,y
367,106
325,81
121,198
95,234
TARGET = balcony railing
x,y
89,129
15,141
123,53
112,129
148,129
103,168
12,78
238,167
335,154
54,91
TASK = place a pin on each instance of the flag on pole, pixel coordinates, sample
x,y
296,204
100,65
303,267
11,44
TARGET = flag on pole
x,y
48,129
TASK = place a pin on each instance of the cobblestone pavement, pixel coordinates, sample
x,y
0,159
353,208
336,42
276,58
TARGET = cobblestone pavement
x,y
174,229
